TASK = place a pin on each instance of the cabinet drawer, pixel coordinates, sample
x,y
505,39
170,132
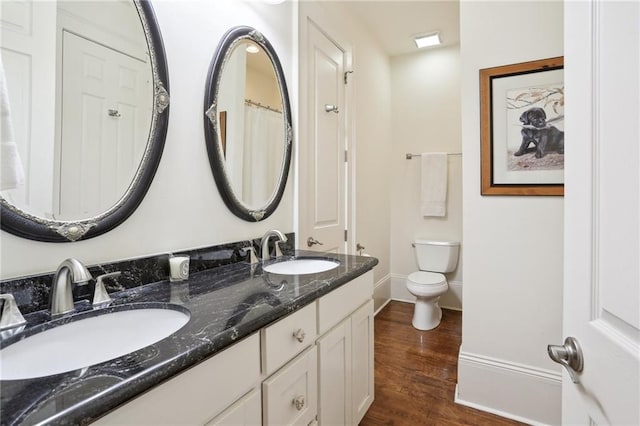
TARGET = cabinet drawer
x,y
288,337
340,303
290,397
198,394
244,412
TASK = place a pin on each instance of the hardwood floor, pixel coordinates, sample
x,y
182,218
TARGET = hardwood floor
x,y
416,373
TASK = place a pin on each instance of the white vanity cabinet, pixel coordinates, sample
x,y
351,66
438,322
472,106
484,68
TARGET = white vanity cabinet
x,y
313,366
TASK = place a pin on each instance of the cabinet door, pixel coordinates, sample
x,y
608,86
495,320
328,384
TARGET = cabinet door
x,y
362,360
334,350
245,412
290,396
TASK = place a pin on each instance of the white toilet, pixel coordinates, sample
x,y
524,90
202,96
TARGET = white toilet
x,y
429,283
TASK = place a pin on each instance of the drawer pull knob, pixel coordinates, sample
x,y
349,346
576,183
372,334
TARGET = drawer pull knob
x,y
299,335
298,401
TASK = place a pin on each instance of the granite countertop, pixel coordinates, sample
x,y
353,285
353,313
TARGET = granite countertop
x,y
226,304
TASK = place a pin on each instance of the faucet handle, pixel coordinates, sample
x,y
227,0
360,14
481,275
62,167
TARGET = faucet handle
x,y
100,295
253,257
11,316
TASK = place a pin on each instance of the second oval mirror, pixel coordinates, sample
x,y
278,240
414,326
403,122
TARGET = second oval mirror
x,y
248,124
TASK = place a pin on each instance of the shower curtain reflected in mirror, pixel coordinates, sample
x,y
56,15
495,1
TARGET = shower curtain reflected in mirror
x,y
263,151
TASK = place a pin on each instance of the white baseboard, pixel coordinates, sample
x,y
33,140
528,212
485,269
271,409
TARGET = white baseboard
x,y
381,293
516,391
381,307
452,299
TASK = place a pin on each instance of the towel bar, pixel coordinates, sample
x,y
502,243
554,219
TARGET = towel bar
x,y
410,156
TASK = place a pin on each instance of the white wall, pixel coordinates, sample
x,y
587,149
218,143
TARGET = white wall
x,y
372,135
425,117
371,132
512,245
182,208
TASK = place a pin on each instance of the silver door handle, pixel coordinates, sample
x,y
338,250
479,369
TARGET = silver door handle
x,y
331,108
569,356
312,241
113,113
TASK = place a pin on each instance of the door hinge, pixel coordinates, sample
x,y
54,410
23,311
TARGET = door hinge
x,y
345,235
346,73
346,156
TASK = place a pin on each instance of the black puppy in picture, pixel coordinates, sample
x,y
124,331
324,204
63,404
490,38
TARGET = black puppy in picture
x,y
536,131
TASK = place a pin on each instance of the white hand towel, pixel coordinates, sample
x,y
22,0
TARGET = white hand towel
x,y
11,171
434,184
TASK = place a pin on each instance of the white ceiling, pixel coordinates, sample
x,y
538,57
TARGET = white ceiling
x,y
394,23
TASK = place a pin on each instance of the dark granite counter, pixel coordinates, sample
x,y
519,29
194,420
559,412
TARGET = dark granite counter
x,y
226,304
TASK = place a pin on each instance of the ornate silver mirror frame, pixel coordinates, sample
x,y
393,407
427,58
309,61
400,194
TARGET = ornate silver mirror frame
x,y
23,224
214,147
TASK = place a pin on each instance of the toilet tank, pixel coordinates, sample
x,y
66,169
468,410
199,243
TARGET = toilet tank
x,y
437,256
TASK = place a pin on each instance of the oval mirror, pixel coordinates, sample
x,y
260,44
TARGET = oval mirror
x,y
84,91
248,124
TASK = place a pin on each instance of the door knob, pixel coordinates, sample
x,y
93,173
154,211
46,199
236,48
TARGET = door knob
x,y
569,356
331,108
312,241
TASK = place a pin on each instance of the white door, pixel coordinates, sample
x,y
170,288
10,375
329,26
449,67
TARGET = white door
x,y
322,191
106,98
602,211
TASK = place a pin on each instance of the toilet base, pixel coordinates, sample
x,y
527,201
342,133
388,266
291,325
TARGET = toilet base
x,y
426,313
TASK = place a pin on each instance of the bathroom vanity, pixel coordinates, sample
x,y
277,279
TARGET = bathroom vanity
x,y
259,348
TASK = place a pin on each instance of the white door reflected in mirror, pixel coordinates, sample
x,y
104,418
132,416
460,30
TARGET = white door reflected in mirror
x,y
65,77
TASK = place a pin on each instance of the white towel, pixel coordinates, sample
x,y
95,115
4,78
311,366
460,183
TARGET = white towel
x,y
11,171
434,184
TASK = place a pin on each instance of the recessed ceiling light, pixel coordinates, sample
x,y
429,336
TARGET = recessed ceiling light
x,y
252,48
427,40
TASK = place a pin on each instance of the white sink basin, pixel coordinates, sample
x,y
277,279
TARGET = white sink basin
x,y
88,341
301,266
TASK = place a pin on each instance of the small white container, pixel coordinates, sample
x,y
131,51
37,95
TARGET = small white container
x,y
178,268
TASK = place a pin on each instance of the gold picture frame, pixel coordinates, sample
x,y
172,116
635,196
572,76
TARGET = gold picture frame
x,y
522,128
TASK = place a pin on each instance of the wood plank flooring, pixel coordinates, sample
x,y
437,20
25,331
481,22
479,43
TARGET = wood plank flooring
x,y
416,373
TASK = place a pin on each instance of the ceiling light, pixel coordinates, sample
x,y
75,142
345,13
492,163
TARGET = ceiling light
x,y
428,40
252,48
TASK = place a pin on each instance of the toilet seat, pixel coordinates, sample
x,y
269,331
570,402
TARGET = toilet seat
x,y
422,283
427,278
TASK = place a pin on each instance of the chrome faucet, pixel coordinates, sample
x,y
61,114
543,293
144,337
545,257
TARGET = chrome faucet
x,y
71,272
264,252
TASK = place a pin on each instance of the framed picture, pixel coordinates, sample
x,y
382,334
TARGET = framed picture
x,y
522,128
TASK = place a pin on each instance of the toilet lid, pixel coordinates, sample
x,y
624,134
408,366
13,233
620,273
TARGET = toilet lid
x,y
427,278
